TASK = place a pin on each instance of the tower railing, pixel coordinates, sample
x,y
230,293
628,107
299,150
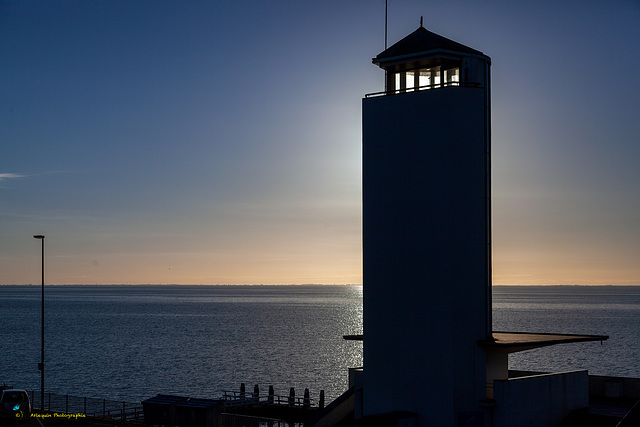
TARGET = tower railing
x,y
422,88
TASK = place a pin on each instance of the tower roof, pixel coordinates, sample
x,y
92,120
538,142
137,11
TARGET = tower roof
x,y
422,42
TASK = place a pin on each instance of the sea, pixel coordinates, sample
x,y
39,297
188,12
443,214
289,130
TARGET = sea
x,y
131,342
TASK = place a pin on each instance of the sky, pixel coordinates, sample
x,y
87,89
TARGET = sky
x,y
219,142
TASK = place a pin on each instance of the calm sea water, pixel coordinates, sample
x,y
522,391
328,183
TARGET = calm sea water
x,y
132,342
592,310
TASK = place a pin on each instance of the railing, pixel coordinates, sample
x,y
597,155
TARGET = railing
x,y
241,399
421,88
121,410
87,406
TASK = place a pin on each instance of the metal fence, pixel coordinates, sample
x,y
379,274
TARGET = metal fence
x,y
240,399
244,399
88,406
236,420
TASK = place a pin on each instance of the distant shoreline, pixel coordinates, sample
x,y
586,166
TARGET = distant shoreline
x,y
294,285
175,284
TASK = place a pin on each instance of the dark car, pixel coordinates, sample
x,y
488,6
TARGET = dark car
x,y
14,404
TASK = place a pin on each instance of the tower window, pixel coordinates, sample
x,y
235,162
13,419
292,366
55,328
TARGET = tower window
x,y
435,77
425,78
429,78
452,77
411,75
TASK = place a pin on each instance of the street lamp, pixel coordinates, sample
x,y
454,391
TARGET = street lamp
x,y
41,364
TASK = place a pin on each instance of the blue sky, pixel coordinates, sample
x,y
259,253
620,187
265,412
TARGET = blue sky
x,y
220,142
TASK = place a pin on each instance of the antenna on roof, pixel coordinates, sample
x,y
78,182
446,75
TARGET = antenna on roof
x,y
421,20
386,2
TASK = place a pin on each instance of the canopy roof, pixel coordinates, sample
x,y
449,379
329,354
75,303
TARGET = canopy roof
x,y
512,342
422,42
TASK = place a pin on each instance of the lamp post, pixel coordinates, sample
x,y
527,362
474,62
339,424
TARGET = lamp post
x,y
41,364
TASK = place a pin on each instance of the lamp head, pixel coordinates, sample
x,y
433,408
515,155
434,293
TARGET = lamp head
x,y
38,236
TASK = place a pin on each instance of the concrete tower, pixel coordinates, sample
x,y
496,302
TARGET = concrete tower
x,y
427,232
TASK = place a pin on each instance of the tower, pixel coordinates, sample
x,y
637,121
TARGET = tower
x,y
426,232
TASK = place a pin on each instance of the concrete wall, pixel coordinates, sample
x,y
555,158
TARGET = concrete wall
x,y
426,252
601,385
355,382
540,400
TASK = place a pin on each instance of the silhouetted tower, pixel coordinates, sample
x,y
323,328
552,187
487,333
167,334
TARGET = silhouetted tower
x,y
427,231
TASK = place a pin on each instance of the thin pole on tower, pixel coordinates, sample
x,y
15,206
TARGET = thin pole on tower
x,y
386,2
386,79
